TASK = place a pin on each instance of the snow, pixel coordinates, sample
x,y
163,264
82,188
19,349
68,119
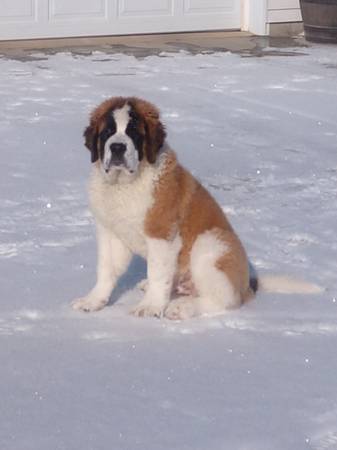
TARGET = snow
x,y
260,133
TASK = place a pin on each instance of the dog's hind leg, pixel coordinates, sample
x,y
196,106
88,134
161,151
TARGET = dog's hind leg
x,y
214,274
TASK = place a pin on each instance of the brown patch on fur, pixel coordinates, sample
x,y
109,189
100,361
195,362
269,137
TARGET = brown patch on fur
x,y
149,125
182,204
154,130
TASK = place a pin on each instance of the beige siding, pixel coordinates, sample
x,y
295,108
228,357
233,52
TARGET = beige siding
x,y
283,11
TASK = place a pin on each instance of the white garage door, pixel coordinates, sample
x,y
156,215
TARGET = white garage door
x,y
23,19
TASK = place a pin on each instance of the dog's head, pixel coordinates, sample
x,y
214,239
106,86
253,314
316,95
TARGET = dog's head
x,y
124,131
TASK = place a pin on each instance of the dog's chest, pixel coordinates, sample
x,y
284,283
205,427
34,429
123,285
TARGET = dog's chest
x,y
122,208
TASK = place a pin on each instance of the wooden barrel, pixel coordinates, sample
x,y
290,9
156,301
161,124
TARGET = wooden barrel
x,y
320,20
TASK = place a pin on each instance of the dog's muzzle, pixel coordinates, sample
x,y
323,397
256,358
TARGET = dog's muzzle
x,y
117,159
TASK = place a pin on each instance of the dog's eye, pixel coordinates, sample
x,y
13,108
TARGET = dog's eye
x,y
105,133
133,124
133,115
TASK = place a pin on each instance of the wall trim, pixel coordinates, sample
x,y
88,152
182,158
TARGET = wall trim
x,y
254,16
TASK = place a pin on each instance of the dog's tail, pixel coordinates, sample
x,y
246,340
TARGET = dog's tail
x,y
282,284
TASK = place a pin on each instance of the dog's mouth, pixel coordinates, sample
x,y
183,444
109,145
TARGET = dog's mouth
x,y
119,166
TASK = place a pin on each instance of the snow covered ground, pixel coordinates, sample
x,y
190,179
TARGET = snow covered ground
x,y
261,134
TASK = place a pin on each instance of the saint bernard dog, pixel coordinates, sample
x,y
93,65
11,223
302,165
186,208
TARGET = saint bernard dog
x,y
145,203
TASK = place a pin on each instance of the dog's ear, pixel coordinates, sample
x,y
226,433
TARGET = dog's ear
x,y
153,128
154,136
91,137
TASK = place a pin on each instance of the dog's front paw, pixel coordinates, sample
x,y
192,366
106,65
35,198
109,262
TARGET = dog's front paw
x,y
88,304
180,309
149,308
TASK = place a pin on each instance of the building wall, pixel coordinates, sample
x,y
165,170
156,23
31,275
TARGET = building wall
x,y
280,11
38,19
29,19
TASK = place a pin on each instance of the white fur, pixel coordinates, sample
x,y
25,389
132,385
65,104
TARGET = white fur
x,y
286,285
113,258
161,268
120,210
216,293
122,118
182,308
215,290
142,284
122,207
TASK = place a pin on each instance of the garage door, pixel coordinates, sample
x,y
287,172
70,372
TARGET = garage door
x,y
24,19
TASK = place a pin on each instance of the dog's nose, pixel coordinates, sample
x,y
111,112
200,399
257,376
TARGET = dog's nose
x,y
117,150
